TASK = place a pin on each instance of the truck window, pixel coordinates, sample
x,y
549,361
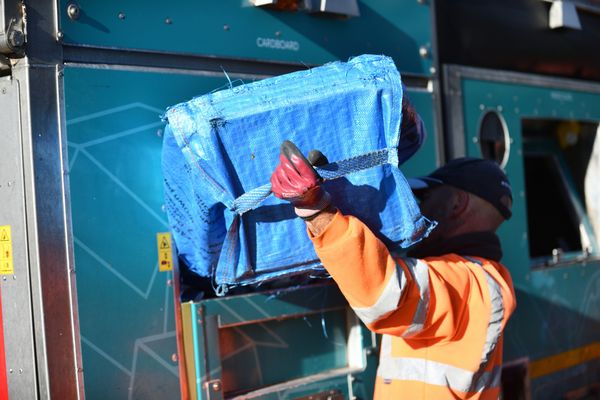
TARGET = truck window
x,y
560,163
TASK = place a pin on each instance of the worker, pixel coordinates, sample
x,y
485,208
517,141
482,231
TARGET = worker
x,y
442,308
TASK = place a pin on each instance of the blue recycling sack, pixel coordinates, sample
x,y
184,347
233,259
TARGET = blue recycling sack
x,y
220,149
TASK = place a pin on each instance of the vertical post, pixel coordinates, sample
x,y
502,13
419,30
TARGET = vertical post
x,y
47,207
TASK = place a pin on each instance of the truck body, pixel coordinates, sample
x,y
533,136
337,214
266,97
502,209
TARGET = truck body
x,y
88,307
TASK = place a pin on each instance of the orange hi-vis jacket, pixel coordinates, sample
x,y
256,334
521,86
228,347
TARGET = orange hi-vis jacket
x,y
441,318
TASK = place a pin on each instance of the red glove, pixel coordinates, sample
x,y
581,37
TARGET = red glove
x,y
296,181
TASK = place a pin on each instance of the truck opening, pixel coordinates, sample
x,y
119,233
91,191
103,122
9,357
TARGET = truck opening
x,y
561,207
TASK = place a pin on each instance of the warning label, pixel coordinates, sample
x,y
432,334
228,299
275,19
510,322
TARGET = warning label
x,y
6,257
165,252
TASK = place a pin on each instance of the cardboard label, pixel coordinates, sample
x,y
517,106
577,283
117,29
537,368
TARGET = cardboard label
x,y
165,252
6,256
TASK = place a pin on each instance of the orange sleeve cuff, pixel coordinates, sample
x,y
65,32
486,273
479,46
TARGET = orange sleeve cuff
x,y
336,229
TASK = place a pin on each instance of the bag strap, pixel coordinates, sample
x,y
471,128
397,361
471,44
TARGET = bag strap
x,y
253,198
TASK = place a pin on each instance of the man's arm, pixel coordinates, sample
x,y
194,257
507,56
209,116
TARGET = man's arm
x,y
403,297
389,296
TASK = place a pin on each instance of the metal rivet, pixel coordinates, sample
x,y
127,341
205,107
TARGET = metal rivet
x,y
20,370
216,386
517,110
14,277
475,139
4,278
169,282
159,132
499,108
278,33
121,15
481,107
3,90
174,357
163,208
423,51
73,11
168,21
225,27
432,70
10,370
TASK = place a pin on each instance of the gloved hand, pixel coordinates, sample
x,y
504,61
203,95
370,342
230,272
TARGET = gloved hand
x,y
296,181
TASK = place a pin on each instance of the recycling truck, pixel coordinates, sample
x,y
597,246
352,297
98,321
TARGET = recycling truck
x,y
94,302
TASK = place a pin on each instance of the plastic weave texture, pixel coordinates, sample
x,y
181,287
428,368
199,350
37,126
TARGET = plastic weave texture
x,y
220,149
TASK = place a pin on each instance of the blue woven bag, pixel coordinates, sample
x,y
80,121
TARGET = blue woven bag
x,y
220,149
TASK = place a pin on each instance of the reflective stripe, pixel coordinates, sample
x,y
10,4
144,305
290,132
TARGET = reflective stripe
x,y
420,274
440,374
433,372
494,329
387,302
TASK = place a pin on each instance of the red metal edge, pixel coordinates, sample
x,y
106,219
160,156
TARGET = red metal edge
x,y
3,377
183,383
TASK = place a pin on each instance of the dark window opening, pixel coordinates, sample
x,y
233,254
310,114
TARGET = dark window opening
x,y
557,158
552,221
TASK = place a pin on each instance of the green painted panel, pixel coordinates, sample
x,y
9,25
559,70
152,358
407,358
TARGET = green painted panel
x,y
125,304
235,28
558,308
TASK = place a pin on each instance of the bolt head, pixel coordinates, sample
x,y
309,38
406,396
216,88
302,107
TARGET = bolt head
x,y
16,39
73,11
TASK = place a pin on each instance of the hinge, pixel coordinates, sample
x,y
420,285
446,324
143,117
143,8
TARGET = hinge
x,y
14,36
213,390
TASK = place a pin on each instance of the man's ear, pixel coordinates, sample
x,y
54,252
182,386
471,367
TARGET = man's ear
x,y
460,203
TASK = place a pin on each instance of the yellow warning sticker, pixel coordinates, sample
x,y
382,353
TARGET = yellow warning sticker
x,y
165,252
6,256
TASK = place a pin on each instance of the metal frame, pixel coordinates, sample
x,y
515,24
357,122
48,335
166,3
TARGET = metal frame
x,y
437,90
453,75
47,205
14,289
173,62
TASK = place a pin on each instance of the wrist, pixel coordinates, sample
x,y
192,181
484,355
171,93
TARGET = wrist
x,y
319,222
307,211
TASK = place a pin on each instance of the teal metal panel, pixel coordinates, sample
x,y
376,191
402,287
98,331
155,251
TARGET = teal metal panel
x,y
306,326
558,307
235,28
426,159
236,310
125,303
